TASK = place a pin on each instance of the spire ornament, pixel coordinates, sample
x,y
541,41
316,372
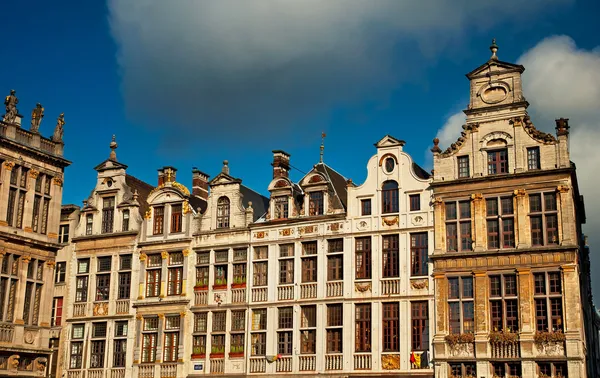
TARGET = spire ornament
x,y
113,147
494,49
323,135
225,168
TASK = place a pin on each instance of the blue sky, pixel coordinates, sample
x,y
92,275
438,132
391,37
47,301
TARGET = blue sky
x,y
191,83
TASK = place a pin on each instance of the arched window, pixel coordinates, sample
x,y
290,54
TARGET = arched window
x,y
389,197
223,212
125,220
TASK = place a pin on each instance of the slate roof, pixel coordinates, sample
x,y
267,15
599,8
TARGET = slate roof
x,y
338,182
143,190
420,172
197,202
260,203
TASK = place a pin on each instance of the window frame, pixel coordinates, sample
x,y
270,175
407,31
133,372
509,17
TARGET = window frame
x,y
497,161
390,197
463,300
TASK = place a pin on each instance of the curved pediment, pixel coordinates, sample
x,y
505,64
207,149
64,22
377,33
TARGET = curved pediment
x,y
280,183
496,139
168,191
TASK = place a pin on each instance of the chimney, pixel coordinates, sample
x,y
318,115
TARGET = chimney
x,y
199,184
281,164
166,174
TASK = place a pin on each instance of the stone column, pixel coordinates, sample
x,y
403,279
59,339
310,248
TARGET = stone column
x,y
572,311
523,231
138,339
142,292
47,297
479,235
526,314
29,199
184,275
163,273
567,216
159,341
438,214
441,317
180,346
20,295
481,305
5,173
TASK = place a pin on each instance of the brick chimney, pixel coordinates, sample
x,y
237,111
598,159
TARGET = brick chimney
x,y
199,184
281,164
166,174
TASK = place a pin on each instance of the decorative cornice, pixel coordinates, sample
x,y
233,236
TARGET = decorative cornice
x,y
534,133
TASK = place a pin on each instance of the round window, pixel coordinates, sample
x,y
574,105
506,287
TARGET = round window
x,y
389,164
109,183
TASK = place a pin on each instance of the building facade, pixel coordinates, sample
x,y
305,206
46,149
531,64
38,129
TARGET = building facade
x,y
508,240
31,178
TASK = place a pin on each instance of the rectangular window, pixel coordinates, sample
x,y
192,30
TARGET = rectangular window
x,y
219,321
149,347
239,274
458,226
175,279
57,305
497,162
63,234
463,166
89,224
125,222
104,264
309,248
259,320
60,273
171,339
389,196
335,319
533,158
363,257
200,322
363,327
309,269
315,203
548,301
76,355
220,275
261,253
218,344
280,207
120,352
543,216
159,220
81,288
308,324
335,267
176,218
460,305
238,320
418,251
286,271
390,256
504,302
391,327
365,206
420,325
260,273
102,287
284,334
500,223
463,369
125,262
97,354
108,214
152,282
415,202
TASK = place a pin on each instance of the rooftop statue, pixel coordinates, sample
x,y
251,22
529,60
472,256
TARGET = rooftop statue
x,y
11,102
58,130
36,118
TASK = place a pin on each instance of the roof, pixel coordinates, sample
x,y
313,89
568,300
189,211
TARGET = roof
x,y
143,190
420,172
197,202
506,66
338,182
260,203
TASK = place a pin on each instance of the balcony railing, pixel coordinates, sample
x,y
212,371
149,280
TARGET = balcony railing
x,y
146,371
335,289
283,364
7,332
122,306
334,362
258,365
79,310
217,365
505,350
238,296
117,373
308,363
390,287
95,373
308,290
259,294
23,137
285,293
362,362
75,374
168,371
200,298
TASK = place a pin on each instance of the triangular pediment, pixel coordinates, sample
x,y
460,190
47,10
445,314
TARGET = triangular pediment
x,y
495,66
223,178
389,141
109,164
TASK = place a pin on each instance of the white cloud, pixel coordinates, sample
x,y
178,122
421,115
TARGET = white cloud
x,y
562,80
242,65
451,130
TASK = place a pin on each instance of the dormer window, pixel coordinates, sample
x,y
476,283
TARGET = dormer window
x,y
159,220
125,220
176,218
280,207
108,214
533,158
389,197
89,224
315,203
223,210
497,162
463,166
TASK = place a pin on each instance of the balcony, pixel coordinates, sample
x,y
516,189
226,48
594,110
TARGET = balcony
x,y
308,290
122,306
168,371
146,371
7,332
363,362
258,365
217,365
505,350
117,373
283,364
95,373
335,289
285,293
308,363
79,310
200,298
389,287
238,296
259,294
334,362
75,374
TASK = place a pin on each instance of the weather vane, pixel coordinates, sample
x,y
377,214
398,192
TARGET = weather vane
x,y
323,135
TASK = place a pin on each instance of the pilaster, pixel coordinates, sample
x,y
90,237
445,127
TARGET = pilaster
x,y
478,227
142,275
186,253
523,234
163,273
138,339
159,341
438,213
567,215
20,296
481,299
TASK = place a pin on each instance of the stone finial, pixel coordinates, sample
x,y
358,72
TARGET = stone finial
x,y
562,126
135,195
249,205
36,118
494,49
113,147
225,167
436,148
11,102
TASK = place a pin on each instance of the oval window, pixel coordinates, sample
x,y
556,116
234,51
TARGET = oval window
x,y
389,164
109,183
